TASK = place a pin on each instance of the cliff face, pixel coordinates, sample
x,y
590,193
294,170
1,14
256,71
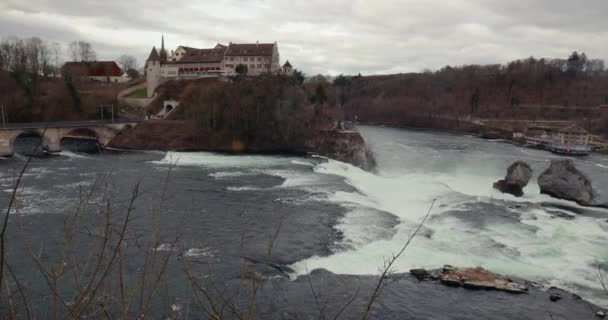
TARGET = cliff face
x,y
345,146
157,135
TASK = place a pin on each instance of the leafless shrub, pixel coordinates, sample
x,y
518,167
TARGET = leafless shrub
x,y
98,284
387,269
601,278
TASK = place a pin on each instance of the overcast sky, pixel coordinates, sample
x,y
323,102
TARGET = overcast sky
x,y
326,36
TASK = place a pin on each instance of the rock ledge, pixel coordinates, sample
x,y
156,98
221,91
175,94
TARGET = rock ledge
x,y
470,278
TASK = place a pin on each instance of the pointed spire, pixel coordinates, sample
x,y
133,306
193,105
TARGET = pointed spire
x,y
163,52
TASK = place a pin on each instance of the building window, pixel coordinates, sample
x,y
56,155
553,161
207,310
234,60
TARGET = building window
x,y
231,58
259,66
259,59
252,66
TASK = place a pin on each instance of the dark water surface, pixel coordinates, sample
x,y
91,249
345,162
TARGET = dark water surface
x,y
223,212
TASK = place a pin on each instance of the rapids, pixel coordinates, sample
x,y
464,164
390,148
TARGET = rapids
x,y
553,242
339,218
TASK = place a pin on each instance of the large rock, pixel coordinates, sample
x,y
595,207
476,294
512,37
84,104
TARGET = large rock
x,y
470,278
345,146
518,177
563,181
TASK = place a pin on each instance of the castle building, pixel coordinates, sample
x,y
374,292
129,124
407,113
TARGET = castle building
x,y
192,63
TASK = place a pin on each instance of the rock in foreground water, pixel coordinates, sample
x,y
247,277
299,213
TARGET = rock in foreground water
x,y
470,278
564,181
518,176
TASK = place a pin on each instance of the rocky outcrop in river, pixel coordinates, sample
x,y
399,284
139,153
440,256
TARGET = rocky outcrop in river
x,y
345,146
342,145
470,278
564,181
518,176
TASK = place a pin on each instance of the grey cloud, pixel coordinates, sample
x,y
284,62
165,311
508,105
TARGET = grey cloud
x,y
317,36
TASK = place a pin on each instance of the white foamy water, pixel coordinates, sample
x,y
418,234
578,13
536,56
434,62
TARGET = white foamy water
x,y
200,252
223,175
471,224
217,160
245,188
73,155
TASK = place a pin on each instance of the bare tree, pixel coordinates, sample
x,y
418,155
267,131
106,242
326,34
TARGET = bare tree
x,y
73,51
127,62
32,51
82,51
56,56
13,55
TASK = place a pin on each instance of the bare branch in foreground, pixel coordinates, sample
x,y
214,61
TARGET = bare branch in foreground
x,y
10,206
600,277
389,264
314,294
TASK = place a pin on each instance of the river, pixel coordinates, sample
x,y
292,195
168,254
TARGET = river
x,y
333,216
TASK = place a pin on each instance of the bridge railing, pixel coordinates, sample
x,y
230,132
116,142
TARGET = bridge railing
x,y
62,124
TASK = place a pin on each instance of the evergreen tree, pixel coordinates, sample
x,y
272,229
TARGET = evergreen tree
x,y
320,95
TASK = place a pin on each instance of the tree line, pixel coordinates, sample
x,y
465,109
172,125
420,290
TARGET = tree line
x,y
38,57
570,88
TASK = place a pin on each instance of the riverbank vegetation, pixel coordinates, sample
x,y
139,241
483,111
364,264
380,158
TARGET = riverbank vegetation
x,y
268,114
571,89
262,114
34,88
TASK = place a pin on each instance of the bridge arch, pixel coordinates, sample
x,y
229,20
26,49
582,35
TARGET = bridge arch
x,y
81,133
80,139
33,148
53,134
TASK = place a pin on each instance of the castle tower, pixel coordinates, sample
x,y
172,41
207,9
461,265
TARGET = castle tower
x,y
287,68
153,72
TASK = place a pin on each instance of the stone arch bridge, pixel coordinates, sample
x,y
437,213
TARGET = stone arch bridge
x,y
52,133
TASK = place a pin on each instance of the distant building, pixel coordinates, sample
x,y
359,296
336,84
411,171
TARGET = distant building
x,y
103,71
573,134
287,68
191,63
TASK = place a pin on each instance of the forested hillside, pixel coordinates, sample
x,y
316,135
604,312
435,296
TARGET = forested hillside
x,y
32,87
530,89
261,114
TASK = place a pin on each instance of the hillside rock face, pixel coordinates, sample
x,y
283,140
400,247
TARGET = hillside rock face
x,y
518,177
470,278
164,135
563,181
345,146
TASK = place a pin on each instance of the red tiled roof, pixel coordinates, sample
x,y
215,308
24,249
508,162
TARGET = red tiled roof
x,y
93,69
250,49
202,55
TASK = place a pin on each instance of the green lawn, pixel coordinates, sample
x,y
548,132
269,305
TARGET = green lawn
x,y
138,94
